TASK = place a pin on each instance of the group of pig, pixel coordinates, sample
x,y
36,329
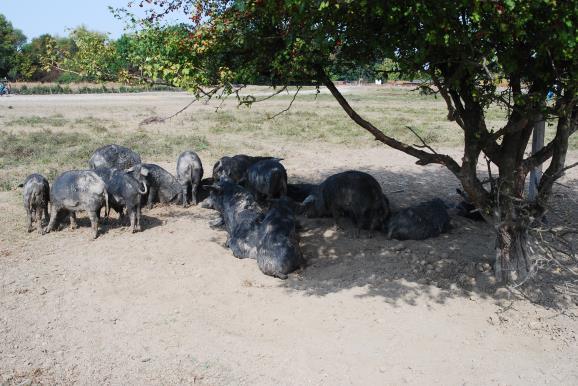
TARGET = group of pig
x,y
117,179
257,206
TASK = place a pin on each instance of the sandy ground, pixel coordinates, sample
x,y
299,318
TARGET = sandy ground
x,y
171,305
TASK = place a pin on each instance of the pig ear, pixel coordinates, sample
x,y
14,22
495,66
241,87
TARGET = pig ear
x,y
144,171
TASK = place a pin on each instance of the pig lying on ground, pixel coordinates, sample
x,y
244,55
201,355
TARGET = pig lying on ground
x,y
278,251
239,214
428,219
466,209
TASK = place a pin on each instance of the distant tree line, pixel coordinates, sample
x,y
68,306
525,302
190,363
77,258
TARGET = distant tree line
x,y
86,55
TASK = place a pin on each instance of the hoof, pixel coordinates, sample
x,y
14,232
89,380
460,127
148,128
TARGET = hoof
x,y
46,230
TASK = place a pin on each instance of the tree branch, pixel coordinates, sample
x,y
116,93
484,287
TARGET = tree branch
x,y
423,157
547,151
250,99
154,119
452,112
567,124
424,144
290,104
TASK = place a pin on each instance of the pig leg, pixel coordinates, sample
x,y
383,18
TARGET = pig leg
x,y
194,190
132,216
53,216
185,188
357,225
121,216
46,212
39,221
138,215
152,195
335,214
73,225
93,223
29,219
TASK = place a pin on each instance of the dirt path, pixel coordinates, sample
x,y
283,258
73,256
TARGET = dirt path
x,y
171,305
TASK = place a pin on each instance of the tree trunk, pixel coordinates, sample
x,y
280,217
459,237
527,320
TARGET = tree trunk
x,y
513,262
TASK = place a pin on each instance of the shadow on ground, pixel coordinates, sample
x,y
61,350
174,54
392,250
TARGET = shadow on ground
x,y
456,264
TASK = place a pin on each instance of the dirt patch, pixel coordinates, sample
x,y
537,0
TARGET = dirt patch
x,y
171,305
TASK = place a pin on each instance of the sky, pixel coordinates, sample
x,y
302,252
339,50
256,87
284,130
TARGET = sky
x,y
37,17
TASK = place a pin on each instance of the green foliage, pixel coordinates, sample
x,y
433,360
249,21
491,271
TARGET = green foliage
x,y
11,41
461,43
95,56
63,88
30,66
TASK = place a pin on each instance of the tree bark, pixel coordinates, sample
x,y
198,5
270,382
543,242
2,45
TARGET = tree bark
x,y
513,262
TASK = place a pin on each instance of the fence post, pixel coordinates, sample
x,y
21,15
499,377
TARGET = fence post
x,y
537,144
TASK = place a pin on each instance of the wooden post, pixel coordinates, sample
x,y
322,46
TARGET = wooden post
x,y
537,144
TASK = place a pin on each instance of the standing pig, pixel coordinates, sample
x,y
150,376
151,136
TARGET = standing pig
x,y
278,251
114,156
267,179
422,221
163,186
189,174
124,190
36,197
77,190
351,193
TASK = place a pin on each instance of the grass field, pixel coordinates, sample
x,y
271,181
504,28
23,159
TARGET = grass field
x,y
42,135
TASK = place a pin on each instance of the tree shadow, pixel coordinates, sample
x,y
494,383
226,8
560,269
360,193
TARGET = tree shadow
x,y
456,264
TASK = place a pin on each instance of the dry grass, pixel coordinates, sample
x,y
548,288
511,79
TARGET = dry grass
x,y
49,134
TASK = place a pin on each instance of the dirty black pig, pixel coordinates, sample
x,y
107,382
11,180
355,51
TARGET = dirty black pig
x,y
36,194
114,156
419,222
189,175
354,194
77,190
